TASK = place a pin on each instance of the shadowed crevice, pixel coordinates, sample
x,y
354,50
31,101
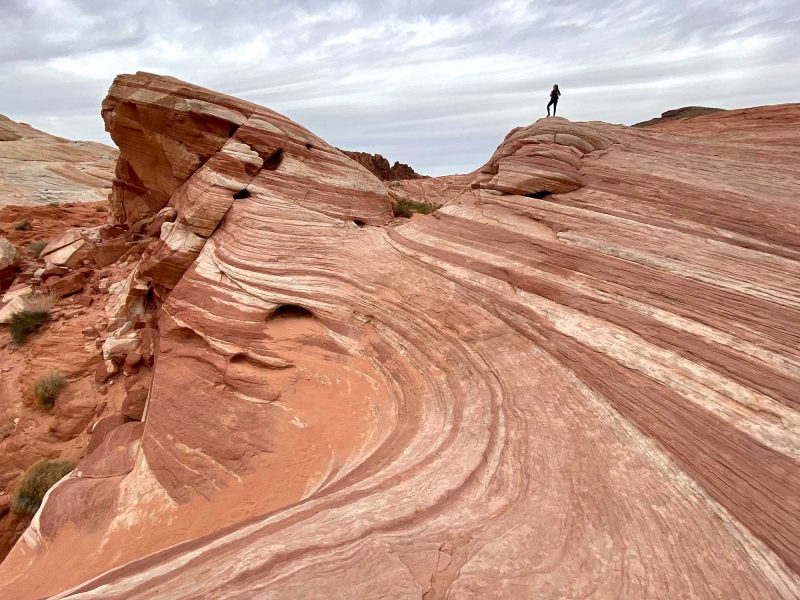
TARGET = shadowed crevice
x,y
541,194
291,311
273,161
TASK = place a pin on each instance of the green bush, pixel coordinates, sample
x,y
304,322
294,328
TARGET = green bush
x,y
404,207
26,322
35,483
47,388
36,248
23,225
33,314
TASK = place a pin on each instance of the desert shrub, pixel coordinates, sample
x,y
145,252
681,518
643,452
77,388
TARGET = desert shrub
x,y
23,225
33,314
36,248
35,483
405,207
47,387
26,322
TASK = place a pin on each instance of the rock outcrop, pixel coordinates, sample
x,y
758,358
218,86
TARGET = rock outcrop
x,y
576,378
8,263
379,166
67,343
676,114
38,168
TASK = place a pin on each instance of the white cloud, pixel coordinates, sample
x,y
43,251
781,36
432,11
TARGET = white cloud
x,y
433,83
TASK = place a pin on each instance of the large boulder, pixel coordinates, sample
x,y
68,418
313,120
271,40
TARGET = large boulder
x,y
135,402
67,284
69,250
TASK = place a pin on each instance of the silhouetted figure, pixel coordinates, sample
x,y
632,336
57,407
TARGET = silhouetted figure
x,y
554,94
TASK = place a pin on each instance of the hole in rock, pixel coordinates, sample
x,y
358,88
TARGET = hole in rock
x,y
359,222
241,194
273,161
309,146
244,359
542,194
291,311
232,130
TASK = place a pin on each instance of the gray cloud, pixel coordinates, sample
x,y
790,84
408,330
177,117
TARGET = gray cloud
x,y
436,84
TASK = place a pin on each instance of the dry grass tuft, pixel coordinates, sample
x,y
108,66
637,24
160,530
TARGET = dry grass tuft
x,y
33,314
37,480
47,387
405,207
36,248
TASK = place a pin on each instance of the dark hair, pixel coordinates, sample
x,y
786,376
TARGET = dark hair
x,y
555,86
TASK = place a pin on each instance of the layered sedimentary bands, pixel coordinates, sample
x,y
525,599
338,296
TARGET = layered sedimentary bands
x,y
578,378
38,168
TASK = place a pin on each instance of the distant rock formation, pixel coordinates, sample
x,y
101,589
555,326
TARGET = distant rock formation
x,y
578,377
39,168
379,166
679,113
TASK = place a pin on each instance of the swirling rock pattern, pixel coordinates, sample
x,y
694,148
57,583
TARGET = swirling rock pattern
x,y
37,168
578,378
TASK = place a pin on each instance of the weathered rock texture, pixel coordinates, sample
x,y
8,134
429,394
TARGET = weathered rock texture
x,y
38,168
67,343
577,378
434,190
379,166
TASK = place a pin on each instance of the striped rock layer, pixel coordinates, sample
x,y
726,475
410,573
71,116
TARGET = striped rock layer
x,y
37,168
578,378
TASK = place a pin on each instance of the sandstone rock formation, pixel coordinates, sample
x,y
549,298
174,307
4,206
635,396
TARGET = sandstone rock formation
x,y
38,168
579,377
67,343
379,166
675,114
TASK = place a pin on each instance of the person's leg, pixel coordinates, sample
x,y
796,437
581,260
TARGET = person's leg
x,y
548,107
555,104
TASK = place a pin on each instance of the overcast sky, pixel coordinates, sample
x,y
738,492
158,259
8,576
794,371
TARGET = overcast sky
x,y
433,83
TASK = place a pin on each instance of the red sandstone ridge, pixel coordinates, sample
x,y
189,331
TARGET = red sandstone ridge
x,y
687,112
578,377
38,168
379,166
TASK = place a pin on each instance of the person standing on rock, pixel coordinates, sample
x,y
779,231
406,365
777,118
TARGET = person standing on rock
x,y
554,94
